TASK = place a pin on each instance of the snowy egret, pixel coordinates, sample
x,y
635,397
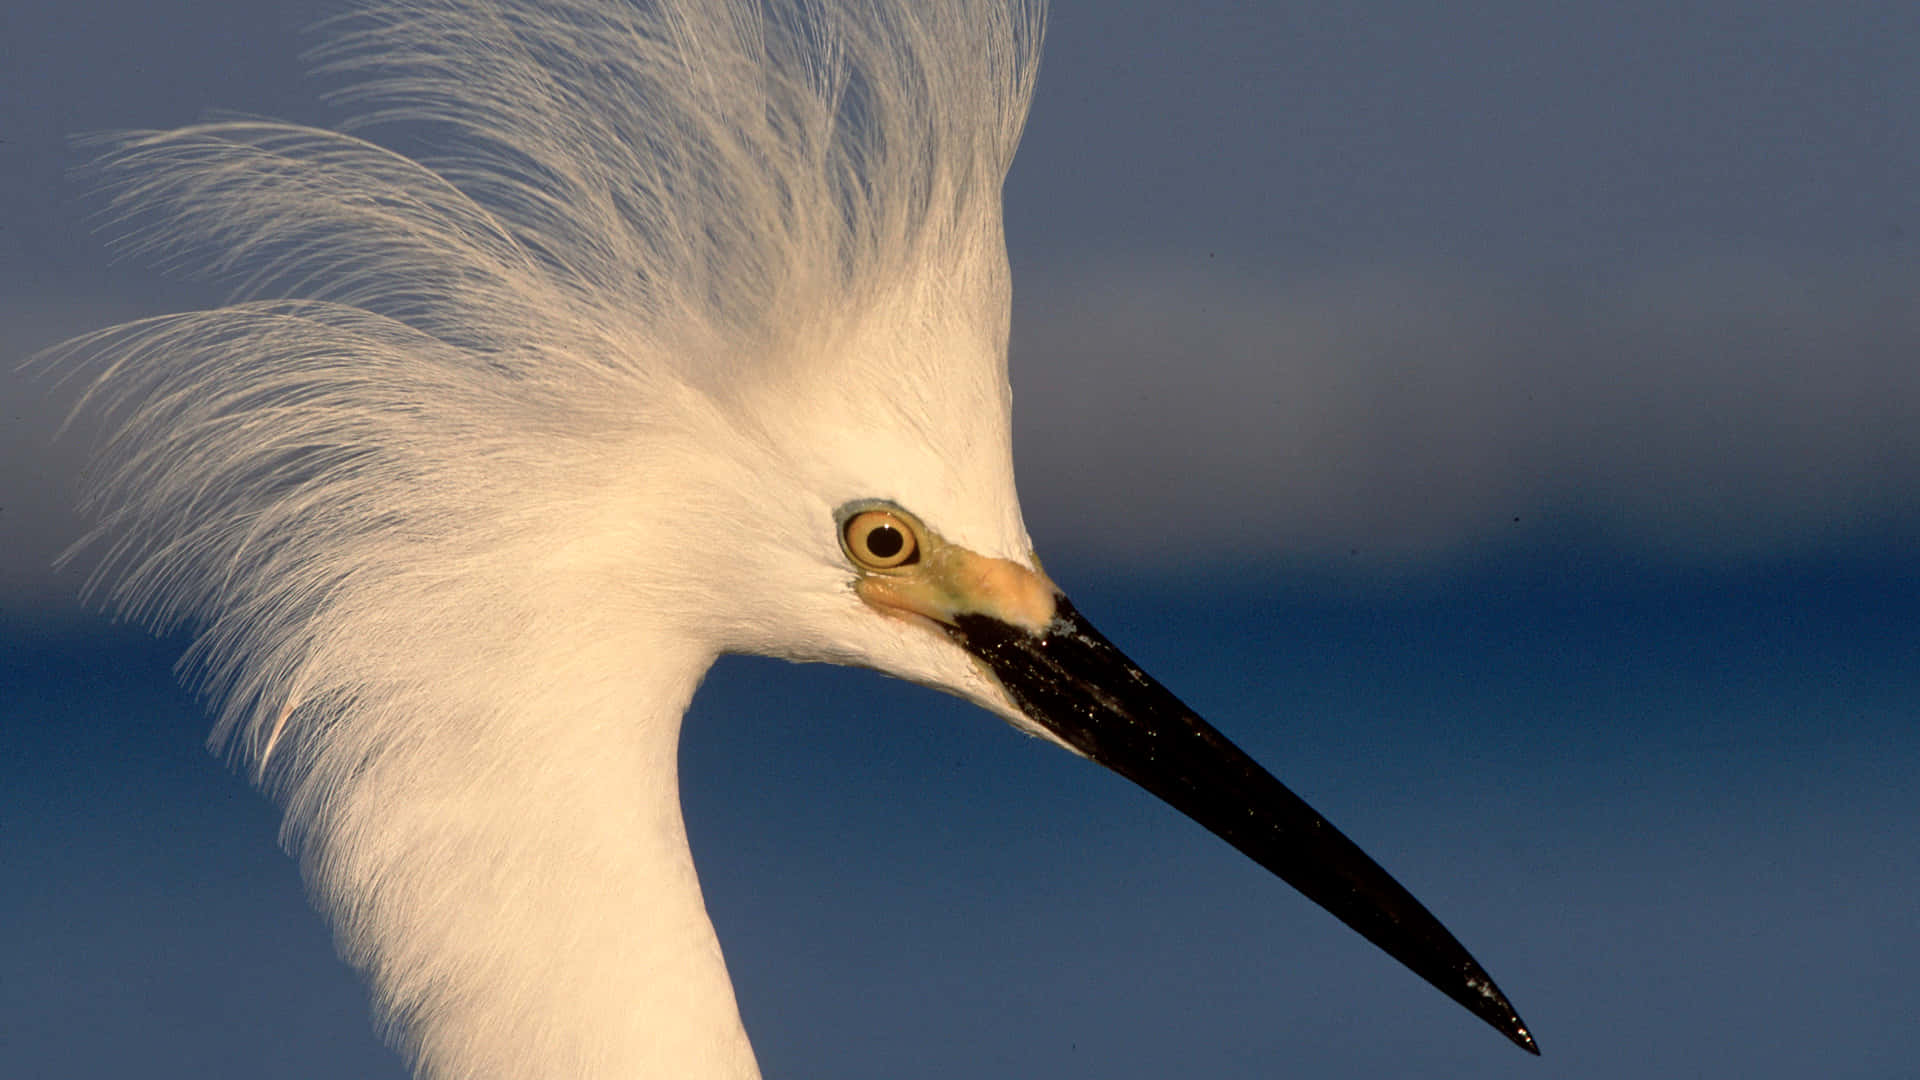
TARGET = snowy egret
x,y
694,343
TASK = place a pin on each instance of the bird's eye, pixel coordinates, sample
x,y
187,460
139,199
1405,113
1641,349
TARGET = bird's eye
x,y
879,540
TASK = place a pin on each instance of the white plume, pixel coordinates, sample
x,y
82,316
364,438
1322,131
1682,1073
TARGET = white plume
x,y
392,485
641,200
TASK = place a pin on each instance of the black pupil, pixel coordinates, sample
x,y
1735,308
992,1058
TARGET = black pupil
x,y
885,541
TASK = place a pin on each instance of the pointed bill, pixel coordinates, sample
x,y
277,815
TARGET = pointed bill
x,y
1069,679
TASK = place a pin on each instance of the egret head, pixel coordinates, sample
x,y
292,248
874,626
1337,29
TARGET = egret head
x,y
700,348
865,512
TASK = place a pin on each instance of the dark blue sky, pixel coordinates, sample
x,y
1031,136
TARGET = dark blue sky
x,y
1505,424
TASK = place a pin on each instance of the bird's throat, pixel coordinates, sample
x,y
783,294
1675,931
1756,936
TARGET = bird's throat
x,y
522,896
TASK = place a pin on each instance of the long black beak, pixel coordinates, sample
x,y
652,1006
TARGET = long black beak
x,y
1072,681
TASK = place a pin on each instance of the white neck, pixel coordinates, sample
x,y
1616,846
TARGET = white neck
x,y
516,883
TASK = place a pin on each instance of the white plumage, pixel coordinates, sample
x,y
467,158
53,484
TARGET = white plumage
x,y
503,445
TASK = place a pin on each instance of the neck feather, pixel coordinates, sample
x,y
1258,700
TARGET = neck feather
x,y
517,886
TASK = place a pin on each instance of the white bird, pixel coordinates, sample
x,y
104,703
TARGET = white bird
x,y
692,342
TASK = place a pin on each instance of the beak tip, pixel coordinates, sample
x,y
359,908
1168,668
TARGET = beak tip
x,y
1499,1013
1485,1000
1524,1040
1515,1029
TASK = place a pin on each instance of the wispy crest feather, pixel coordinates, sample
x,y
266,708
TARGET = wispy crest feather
x,y
425,488
625,197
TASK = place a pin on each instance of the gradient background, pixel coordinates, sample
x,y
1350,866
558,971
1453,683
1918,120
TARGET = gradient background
x,y
1504,424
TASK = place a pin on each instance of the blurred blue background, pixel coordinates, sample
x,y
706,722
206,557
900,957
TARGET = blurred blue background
x,y
1505,424
1674,814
